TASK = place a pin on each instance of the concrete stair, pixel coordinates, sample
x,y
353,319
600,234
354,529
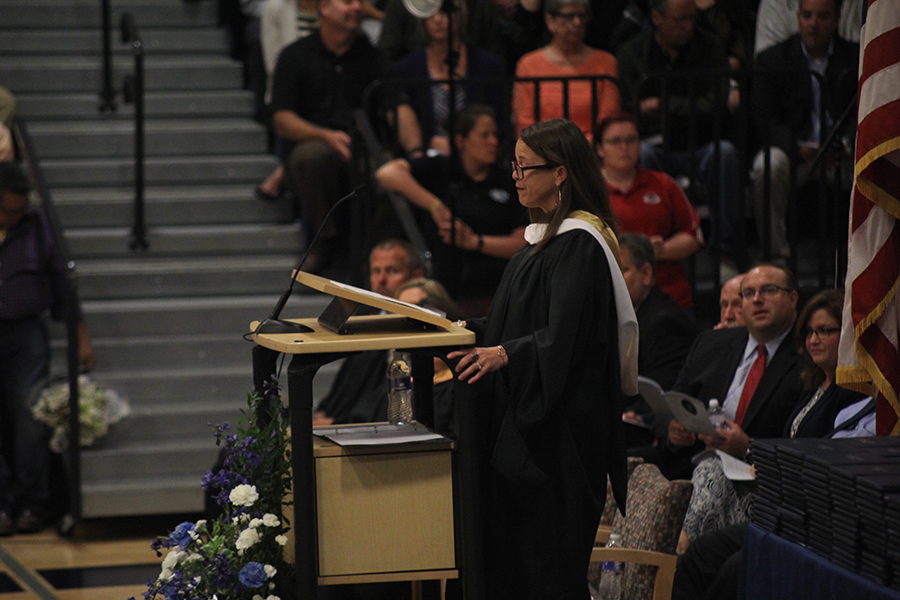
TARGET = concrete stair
x,y
166,323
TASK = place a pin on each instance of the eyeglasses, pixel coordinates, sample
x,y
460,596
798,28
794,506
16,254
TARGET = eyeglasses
x,y
570,17
768,291
618,141
519,171
821,332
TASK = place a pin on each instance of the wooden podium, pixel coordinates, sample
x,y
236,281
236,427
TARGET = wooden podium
x,y
335,335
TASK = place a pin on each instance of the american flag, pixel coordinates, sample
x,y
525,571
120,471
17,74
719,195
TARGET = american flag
x,y
869,357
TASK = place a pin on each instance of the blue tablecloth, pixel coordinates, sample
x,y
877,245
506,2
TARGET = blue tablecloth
x,y
773,568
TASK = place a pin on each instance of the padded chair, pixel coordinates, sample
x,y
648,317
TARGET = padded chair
x,y
611,509
649,534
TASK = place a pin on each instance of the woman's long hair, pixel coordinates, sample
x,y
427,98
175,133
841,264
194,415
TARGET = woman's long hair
x,y
561,142
833,302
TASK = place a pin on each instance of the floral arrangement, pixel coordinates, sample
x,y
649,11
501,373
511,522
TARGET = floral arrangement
x,y
239,555
98,408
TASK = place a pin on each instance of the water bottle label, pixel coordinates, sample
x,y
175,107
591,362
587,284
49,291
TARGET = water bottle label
x,y
400,384
609,565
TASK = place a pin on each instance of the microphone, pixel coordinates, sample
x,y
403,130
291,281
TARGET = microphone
x,y
275,325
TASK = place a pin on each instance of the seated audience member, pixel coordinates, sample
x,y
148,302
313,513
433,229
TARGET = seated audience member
x,y
666,331
649,202
823,410
432,102
372,407
319,80
282,22
753,371
786,106
485,28
734,24
612,21
391,264
566,56
730,313
489,222
651,66
776,21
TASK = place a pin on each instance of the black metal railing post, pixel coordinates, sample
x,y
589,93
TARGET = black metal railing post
x,y
134,87
107,92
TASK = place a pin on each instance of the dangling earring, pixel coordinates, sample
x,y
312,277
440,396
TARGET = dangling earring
x,y
558,196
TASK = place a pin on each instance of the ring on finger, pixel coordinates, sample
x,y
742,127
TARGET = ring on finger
x,y
477,364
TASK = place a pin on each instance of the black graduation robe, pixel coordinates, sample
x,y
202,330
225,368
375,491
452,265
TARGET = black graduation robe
x,y
553,419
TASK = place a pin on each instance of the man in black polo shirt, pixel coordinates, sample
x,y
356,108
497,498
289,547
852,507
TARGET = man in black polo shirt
x,y
32,282
318,82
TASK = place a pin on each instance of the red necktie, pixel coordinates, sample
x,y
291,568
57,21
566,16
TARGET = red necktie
x,y
753,377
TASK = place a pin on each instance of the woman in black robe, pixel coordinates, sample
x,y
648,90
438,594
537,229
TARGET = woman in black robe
x,y
554,355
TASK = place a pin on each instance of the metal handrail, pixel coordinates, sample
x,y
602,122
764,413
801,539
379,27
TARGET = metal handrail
x,y
107,92
29,157
134,92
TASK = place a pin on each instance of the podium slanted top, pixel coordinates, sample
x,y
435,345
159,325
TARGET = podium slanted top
x,y
357,296
405,325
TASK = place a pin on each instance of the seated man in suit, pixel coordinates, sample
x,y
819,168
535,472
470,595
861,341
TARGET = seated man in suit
x,y
809,75
753,371
666,330
391,264
730,313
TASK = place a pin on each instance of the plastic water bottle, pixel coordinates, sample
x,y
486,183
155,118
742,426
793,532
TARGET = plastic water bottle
x,y
612,574
715,414
399,382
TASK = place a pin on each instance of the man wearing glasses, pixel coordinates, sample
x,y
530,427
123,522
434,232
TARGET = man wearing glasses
x,y
754,371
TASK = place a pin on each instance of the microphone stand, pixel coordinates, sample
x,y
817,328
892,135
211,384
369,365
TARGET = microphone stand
x,y
275,325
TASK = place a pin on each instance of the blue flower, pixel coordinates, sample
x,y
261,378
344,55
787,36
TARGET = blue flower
x,y
253,575
182,534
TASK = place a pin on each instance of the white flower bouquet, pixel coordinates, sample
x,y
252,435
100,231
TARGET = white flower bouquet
x,y
98,408
239,555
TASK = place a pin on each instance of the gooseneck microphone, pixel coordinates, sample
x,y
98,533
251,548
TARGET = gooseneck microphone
x,y
275,325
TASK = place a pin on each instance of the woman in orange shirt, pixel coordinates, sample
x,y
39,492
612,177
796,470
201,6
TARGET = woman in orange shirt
x,y
566,56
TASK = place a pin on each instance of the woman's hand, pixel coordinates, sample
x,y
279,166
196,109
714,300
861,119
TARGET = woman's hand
x,y
735,443
441,214
466,238
474,363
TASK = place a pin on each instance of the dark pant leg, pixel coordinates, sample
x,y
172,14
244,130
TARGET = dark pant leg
x,y
317,176
701,566
24,366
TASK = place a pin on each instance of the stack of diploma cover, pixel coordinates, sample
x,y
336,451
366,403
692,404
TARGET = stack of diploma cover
x,y
840,498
